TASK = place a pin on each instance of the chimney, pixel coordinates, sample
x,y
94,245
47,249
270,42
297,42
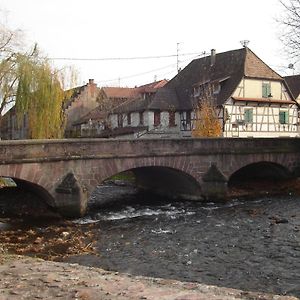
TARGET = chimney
x,y
212,57
92,87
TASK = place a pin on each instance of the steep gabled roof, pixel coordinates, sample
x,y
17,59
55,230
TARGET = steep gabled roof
x,y
152,87
256,68
74,92
142,101
94,114
137,105
228,69
293,83
165,99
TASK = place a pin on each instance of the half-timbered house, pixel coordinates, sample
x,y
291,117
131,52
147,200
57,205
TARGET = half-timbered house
x,y
251,99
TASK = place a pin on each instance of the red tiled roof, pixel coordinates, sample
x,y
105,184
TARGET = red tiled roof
x,y
256,68
119,92
153,86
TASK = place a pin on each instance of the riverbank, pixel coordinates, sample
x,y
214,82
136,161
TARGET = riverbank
x,y
33,278
29,278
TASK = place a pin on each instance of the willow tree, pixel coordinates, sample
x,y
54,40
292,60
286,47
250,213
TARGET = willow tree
x,y
39,97
28,81
206,122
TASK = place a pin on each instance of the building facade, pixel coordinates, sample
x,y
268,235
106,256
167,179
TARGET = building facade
x,y
250,100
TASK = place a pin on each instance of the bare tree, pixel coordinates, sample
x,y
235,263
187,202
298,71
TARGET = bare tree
x,y
10,45
290,21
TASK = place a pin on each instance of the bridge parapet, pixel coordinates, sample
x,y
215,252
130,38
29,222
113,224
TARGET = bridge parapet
x,y
76,149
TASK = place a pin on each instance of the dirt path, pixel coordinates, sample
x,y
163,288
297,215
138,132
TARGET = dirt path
x,y
27,278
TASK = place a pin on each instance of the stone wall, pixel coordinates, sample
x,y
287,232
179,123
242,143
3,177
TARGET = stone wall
x,y
47,163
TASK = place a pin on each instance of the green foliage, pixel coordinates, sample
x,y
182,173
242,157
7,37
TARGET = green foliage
x,y
39,98
124,176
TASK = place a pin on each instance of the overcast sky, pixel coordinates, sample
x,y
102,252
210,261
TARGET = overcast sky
x,y
96,29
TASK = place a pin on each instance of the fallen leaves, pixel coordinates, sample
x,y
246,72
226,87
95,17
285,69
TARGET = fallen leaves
x,y
49,243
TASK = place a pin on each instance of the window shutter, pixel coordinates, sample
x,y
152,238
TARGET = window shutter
x,y
266,89
248,115
286,117
283,117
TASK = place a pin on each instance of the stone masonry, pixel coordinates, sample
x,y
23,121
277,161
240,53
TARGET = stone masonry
x,y
65,172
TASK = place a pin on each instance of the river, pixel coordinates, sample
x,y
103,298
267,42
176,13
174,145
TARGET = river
x,y
252,245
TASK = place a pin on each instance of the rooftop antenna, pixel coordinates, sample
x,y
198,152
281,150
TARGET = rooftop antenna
x,y
178,69
245,43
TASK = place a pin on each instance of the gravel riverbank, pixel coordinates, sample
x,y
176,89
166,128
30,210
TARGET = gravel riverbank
x,y
28,278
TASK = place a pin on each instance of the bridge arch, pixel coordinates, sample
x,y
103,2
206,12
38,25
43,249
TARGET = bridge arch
x,y
164,175
258,171
168,181
26,198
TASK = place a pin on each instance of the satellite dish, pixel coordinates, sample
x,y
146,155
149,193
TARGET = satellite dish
x,y
291,66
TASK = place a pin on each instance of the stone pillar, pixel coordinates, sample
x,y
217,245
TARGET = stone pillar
x,y
214,187
70,197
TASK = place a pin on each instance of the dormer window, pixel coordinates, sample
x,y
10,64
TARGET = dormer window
x,y
196,91
216,88
266,90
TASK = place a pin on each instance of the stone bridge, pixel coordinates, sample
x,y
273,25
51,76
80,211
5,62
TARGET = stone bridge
x,y
65,172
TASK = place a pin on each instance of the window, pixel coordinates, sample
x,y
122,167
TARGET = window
x,y
266,90
128,119
188,118
156,118
172,119
216,88
120,120
283,117
248,115
141,118
185,119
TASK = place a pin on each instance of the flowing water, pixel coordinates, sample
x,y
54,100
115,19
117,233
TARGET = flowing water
x,y
251,245
245,244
